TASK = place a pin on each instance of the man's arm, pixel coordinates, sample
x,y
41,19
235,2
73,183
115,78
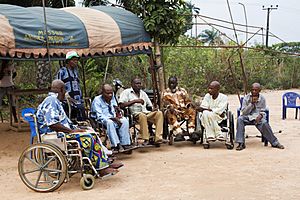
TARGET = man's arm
x,y
204,104
96,108
125,102
58,127
247,105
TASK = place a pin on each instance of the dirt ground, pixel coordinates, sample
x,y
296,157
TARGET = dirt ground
x,y
184,170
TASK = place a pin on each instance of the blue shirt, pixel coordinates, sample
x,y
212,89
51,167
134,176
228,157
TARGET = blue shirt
x,y
71,79
50,112
101,110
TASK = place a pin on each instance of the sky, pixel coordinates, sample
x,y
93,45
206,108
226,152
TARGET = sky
x,y
284,22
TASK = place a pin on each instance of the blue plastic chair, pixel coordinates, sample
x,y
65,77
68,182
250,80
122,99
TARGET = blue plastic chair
x,y
30,120
289,100
267,118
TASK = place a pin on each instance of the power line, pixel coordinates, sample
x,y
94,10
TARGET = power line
x,y
230,28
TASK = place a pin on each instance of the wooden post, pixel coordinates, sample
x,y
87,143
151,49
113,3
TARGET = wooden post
x,y
160,71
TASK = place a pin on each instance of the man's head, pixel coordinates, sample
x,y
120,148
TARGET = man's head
x,y
213,88
255,90
107,92
136,84
58,86
172,83
72,59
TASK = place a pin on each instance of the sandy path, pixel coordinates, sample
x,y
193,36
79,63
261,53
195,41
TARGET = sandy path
x,y
184,170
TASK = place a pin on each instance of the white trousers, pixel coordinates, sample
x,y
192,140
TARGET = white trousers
x,y
209,121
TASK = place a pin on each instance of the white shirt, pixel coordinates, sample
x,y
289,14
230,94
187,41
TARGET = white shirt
x,y
129,95
218,105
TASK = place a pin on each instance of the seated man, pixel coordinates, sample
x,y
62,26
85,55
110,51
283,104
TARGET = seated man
x,y
252,113
105,107
52,117
137,101
213,108
178,107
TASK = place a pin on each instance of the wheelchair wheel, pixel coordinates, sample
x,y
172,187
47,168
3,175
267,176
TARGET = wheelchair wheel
x,y
206,146
231,131
171,138
229,146
87,181
42,167
231,126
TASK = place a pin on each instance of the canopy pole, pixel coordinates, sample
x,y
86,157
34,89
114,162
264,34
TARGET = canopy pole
x,y
106,68
47,39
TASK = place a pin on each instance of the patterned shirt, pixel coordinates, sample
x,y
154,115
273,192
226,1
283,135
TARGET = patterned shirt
x,y
129,95
101,110
253,110
71,79
51,112
178,99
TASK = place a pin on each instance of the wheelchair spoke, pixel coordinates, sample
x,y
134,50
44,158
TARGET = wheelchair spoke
x,y
49,161
38,179
33,161
29,172
52,170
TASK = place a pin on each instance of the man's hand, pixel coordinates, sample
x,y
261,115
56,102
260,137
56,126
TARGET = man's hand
x,y
171,109
254,99
117,121
258,118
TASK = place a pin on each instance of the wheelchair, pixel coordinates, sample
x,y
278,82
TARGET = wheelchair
x,y
133,125
47,164
227,127
101,129
169,134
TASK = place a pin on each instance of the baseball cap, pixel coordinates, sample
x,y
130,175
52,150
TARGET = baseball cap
x,y
71,54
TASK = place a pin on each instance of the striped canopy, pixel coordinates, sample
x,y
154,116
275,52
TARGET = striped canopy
x,y
94,31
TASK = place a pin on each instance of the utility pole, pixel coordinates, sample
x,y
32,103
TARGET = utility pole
x,y
268,9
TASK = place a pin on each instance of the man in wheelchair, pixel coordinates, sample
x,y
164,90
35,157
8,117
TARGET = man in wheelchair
x,y
178,107
253,107
213,109
52,117
138,101
106,111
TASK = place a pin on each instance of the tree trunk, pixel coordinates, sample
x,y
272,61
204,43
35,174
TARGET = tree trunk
x,y
160,71
43,75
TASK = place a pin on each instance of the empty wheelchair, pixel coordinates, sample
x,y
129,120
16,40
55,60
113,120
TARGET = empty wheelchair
x,y
47,164
227,128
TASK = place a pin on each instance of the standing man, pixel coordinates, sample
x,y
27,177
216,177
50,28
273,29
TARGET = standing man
x,y
138,101
213,108
69,75
7,74
178,107
253,107
105,107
